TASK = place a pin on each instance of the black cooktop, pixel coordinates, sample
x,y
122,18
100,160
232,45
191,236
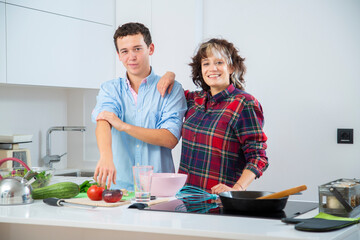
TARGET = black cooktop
x,y
292,209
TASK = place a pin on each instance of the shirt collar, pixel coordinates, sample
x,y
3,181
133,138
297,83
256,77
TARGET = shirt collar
x,y
221,95
146,81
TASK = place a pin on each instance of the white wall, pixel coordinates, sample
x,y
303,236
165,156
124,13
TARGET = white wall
x,y
82,147
303,62
32,110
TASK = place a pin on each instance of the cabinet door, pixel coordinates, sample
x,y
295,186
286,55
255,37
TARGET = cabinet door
x,y
2,44
180,38
93,10
52,50
123,15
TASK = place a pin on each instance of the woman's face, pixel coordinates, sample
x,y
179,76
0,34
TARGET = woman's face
x,y
216,73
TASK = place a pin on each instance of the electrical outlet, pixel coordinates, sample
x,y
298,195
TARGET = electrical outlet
x,y
345,136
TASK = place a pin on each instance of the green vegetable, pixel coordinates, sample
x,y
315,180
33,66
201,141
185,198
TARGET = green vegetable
x,y
57,190
86,185
42,178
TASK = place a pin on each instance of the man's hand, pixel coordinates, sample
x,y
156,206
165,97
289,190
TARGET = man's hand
x,y
113,120
166,82
159,137
105,169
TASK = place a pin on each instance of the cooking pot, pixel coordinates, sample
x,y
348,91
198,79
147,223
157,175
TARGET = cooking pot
x,y
15,190
257,201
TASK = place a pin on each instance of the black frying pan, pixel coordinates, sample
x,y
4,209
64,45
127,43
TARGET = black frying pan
x,y
246,201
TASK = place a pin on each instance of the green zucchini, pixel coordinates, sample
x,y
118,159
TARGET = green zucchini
x,y
57,190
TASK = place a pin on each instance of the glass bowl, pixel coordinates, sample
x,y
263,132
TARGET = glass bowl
x,y
43,175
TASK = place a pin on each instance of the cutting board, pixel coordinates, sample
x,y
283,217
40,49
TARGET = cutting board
x,y
102,203
130,196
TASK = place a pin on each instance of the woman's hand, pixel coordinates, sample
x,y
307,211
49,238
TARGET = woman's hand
x,y
221,188
112,119
166,82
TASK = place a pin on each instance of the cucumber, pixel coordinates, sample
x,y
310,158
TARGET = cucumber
x,y
57,190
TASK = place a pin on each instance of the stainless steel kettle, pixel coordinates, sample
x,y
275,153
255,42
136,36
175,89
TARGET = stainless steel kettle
x,y
15,190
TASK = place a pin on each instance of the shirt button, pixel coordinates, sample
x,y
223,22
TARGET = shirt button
x,y
139,110
137,146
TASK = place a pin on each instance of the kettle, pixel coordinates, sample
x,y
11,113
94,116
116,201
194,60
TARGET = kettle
x,y
15,190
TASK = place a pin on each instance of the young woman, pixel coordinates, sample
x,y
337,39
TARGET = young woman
x,y
223,142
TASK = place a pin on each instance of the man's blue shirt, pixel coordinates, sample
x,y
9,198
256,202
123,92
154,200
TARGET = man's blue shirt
x,y
150,111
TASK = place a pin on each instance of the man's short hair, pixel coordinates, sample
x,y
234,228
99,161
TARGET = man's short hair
x,y
132,28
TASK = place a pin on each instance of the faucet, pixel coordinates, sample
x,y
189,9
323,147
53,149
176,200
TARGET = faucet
x,y
50,159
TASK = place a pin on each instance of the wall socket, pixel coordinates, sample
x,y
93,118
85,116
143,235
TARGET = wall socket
x,y
345,135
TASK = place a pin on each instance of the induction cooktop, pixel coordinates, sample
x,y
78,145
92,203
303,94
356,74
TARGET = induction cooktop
x,y
292,209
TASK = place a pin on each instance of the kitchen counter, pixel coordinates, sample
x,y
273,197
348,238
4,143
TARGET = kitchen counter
x,y
49,222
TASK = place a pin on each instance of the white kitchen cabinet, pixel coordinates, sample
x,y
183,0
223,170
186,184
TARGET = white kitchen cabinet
x,y
2,44
180,37
51,50
123,15
142,13
93,10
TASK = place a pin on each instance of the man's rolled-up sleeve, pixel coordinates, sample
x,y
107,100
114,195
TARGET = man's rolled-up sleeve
x,y
106,101
174,111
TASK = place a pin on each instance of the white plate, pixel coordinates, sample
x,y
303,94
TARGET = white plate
x,y
15,138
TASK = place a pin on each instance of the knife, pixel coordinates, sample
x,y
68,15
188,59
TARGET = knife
x,y
62,203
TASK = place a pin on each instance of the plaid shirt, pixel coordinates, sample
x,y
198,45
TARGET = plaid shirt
x,y
222,136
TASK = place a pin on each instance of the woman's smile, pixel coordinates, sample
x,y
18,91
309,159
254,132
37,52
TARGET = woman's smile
x,y
216,73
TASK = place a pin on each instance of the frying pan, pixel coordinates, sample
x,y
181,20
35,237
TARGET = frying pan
x,y
257,201
246,201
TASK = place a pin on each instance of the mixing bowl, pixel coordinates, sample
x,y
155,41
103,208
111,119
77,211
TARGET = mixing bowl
x,y
167,184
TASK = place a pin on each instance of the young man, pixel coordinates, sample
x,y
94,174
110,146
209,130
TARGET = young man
x,y
135,125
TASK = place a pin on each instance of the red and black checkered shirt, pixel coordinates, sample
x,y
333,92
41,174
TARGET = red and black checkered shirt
x,y
222,136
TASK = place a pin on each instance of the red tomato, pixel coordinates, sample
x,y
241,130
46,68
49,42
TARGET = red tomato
x,y
112,196
95,192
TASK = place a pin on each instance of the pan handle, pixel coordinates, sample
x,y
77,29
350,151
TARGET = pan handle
x,y
284,193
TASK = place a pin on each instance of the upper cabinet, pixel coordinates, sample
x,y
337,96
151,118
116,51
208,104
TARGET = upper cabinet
x,y
92,10
2,44
180,38
49,49
123,15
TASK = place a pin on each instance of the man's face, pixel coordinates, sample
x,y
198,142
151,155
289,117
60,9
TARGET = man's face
x,y
134,54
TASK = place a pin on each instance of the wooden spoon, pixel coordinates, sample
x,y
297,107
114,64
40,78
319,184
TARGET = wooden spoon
x,y
284,193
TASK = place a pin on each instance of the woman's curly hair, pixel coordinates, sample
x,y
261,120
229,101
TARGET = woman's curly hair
x,y
224,49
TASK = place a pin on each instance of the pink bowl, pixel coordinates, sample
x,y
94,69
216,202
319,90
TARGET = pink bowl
x,y
167,184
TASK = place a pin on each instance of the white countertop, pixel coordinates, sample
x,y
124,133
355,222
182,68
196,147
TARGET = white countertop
x,y
159,225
